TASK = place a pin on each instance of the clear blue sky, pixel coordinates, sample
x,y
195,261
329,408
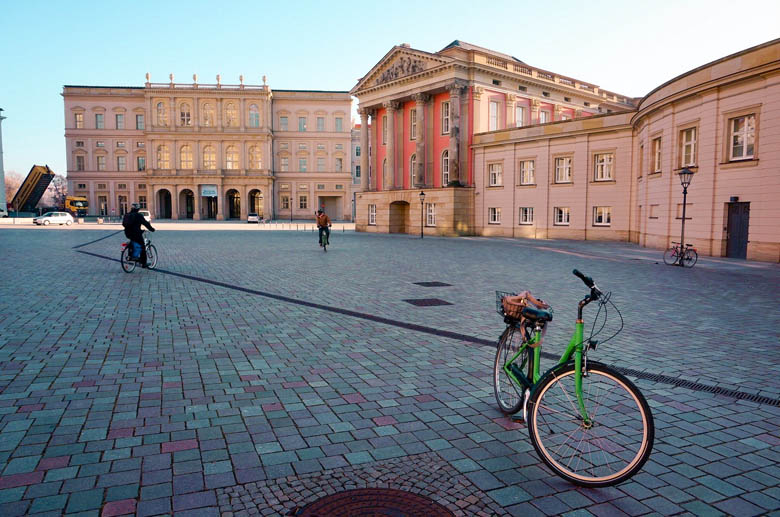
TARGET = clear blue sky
x,y
623,46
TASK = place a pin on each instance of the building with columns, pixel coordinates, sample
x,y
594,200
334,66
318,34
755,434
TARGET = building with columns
x,y
209,151
501,148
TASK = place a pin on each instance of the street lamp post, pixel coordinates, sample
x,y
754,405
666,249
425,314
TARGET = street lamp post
x,y
422,213
3,200
685,179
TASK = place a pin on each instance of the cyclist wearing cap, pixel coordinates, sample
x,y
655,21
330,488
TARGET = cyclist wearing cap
x,y
323,224
132,222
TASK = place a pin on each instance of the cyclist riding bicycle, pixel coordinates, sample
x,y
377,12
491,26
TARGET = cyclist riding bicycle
x,y
132,222
323,224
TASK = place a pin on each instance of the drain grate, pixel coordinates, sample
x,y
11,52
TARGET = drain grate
x,y
433,284
427,302
374,502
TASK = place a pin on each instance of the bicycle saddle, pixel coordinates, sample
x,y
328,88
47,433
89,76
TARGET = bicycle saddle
x,y
536,314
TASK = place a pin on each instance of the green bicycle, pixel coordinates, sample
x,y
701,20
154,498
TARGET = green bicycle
x,y
589,424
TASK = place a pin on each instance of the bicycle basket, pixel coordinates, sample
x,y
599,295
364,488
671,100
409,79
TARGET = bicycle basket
x,y
507,310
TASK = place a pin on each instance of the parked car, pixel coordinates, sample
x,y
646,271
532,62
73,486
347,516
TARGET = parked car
x,y
147,215
253,218
54,218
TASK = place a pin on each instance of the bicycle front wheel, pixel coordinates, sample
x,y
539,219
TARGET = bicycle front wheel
x,y
151,256
670,256
128,264
609,450
509,396
690,258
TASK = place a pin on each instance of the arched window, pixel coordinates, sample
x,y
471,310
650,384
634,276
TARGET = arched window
x,y
231,115
445,168
231,157
209,158
207,117
254,116
185,117
163,157
412,169
162,120
185,157
255,160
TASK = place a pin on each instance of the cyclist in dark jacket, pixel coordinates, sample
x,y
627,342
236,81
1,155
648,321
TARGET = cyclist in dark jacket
x,y
132,223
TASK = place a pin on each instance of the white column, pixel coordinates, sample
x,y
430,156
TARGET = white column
x,y
389,177
420,100
363,149
455,90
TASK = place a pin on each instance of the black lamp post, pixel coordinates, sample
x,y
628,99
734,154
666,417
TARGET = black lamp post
x,y
422,213
685,179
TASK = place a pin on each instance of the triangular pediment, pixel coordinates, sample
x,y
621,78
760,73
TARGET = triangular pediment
x,y
398,63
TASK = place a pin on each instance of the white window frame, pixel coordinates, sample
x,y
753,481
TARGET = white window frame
x,y
119,120
101,162
80,162
78,120
140,123
140,163
100,121
603,165
185,115
544,116
602,215
519,116
339,164
232,161
445,117
747,134
657,154
284,123
320,164
121,163
320,124
185,157
231,115
493,116
561,216
688,142
284,164
527,172
357,171
255,157
163,157
254,116
209,158
563,166
445,167
142,201
339,124
207,116
302,122
430,214
357,150
303,164
285,202
372,215
495,174
413,124
303,201
494,215
526,215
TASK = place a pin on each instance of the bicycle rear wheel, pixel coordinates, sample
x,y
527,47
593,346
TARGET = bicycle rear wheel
x,y
151,256
670,256
608,451
509,396
325,242
690,258
128,264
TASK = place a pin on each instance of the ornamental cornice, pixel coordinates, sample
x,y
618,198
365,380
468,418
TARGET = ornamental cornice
x,y
391,105
421,98
431,72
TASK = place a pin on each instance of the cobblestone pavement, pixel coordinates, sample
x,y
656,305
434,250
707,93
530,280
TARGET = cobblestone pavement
x,y
185,389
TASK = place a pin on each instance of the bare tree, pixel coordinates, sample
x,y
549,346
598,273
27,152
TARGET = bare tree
x,y
13,180
55,193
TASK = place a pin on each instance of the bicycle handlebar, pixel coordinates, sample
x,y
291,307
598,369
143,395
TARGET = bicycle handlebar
x,y
586,279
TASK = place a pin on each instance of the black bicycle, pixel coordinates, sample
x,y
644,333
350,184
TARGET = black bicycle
x,y
129,263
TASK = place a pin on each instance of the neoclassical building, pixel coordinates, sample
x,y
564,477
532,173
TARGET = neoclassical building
x,y
209,151
511,150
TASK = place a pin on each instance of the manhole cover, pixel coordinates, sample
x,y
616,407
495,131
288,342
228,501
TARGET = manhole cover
x,y
427,302
374,502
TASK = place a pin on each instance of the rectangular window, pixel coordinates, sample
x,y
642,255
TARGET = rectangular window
x,y
688,150
101,163
78,119
357,150
339,147
602,215
563,170
141,161
100,143
121,163
139,122
357,171
141,186
602,167
140,145
101,186
286,202
743,137
495,175
121,186
494,215
120,144
526,215
372,215
519,116
302,147
99,124
339,164
339,124
320,147
561,216
654,210
142,201
103,205
320,164
302,164
320,186
493,121
301,123
303,202
79,143
283,123
527,172
430,214
81,186
120,121
544,117
339,187
657,154
445,118
285,164
413,124
320,124
80,162
384,130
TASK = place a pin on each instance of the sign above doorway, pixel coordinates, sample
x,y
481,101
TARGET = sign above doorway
x,y
208,190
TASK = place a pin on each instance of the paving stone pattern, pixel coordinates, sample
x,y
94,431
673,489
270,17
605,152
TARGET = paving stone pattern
x,y
154,394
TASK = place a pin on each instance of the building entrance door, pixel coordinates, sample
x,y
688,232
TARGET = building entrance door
x,y
399,217
737,236
210,208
